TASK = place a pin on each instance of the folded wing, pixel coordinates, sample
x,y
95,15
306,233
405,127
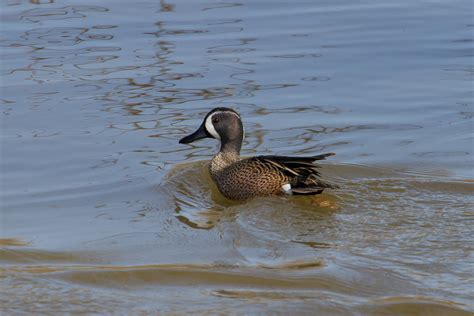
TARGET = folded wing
x,y
302,172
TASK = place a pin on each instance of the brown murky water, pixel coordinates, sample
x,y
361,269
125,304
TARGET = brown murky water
x,y
103,212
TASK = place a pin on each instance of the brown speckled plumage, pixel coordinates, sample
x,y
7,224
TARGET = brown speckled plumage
x,y
243,179
266,175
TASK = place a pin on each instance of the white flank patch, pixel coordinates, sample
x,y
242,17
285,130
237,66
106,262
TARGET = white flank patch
x,y
286,188
210,127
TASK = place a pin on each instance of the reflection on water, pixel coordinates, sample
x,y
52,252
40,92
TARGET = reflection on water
x,y
97,198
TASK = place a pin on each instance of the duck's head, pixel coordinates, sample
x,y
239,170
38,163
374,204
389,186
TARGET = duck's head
x,y
223,124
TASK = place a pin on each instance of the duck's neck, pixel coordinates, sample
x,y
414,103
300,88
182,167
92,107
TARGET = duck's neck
x,y
228,154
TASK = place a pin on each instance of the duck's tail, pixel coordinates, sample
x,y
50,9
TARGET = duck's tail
x,y
304,173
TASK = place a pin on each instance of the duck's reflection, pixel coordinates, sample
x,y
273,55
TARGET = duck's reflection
x,y
199,205
201,219
194,197
203,211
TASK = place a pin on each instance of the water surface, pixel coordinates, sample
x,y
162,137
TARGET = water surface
x,y
102,211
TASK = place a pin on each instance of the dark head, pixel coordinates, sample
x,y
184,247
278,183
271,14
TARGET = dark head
x,y
223,124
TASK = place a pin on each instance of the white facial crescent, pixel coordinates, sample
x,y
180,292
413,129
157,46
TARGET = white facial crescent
x,y
210,127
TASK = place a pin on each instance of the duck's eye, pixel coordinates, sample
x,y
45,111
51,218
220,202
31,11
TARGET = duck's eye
x,y
215,120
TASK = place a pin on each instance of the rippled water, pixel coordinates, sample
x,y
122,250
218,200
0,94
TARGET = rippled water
x,y
102,211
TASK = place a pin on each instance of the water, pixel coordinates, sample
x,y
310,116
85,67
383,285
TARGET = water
x,y
102,211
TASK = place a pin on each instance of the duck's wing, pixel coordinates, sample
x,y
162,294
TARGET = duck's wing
x,y
299,159
297,164
302,172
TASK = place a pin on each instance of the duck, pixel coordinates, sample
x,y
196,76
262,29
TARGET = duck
x,y
245,178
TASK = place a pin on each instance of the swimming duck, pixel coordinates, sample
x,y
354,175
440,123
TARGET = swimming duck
x,y
242,179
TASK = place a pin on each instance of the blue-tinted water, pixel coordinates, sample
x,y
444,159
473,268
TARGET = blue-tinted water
x,y
102,211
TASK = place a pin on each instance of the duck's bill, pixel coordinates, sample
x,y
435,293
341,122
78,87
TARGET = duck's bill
x,y
199,134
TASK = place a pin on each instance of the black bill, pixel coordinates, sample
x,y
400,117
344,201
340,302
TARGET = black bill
x,y
199,134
